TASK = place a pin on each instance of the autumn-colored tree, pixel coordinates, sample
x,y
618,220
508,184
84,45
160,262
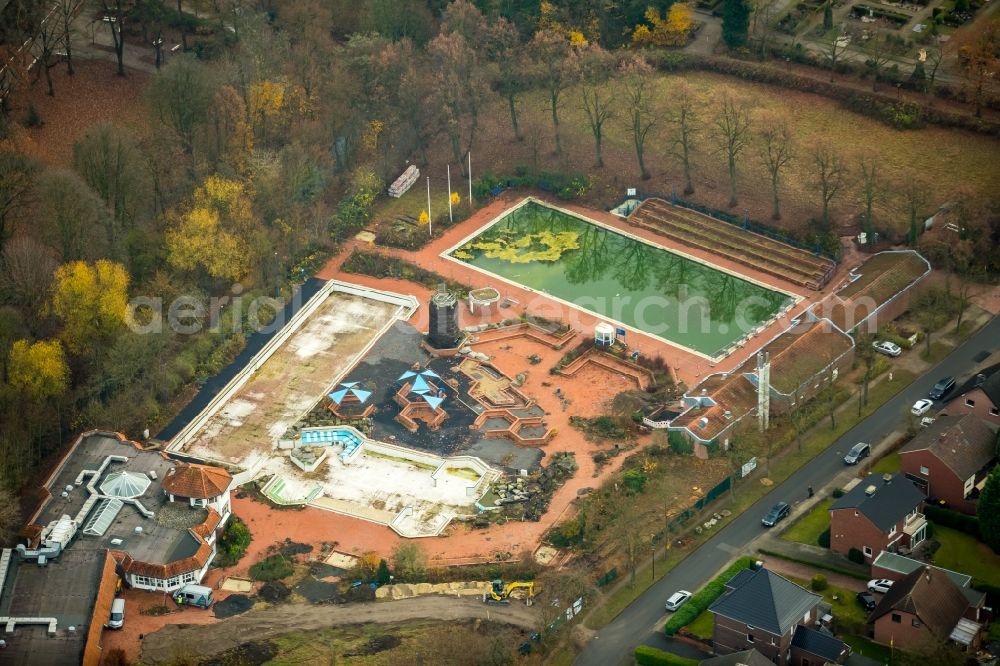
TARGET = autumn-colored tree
x,y
272,105
38,369
91,301
673,30
229,131
215,234
979,58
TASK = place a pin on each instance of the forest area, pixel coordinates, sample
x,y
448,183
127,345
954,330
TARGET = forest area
x,y
258,158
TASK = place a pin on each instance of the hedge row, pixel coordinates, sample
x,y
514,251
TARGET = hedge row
x,y
651,656
953,519
705,597
565,186
814,564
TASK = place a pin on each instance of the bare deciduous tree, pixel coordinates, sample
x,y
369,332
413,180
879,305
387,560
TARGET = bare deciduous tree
x,y
830,174
775,147
555,70
871,189
683,119
597,101
638,84
732,132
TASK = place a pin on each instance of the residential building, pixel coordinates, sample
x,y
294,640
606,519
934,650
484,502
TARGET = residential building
x,y
925,608
979,396
882,512
763,611
743,658
105,515
950,460
896,567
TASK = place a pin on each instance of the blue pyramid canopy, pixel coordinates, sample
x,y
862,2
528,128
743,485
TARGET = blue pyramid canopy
x,y
420,384
427,372
338,396
406,375
433,401
349,384
361,394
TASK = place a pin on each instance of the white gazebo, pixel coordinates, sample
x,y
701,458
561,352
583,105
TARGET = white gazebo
x,y
604,334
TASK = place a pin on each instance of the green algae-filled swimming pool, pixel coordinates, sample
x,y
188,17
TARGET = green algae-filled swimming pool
x,y
621,278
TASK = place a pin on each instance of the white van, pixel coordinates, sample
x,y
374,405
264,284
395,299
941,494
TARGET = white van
x,y
117,619
194,595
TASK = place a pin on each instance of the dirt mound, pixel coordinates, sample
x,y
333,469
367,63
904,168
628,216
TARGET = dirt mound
x,y
234,604
317,591
247,654
376,645
274,591
291,548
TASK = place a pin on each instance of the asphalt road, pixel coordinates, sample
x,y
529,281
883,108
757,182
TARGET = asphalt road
x,y
642,621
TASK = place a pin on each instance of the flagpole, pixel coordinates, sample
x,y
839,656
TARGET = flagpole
x,y
430,228
470,179
451,219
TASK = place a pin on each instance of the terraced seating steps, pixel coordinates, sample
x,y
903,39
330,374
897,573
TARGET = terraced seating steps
x,y
806,260
731,246
764,254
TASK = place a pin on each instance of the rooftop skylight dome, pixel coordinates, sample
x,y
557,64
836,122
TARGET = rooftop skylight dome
x,y
124,484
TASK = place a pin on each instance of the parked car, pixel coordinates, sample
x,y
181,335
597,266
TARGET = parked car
x,y
926,421
921,407
887,348
942,388
880,585
867,600
677,600
857,453
117,619
777,513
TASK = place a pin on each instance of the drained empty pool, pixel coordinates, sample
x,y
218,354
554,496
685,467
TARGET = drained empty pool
x,y
622,278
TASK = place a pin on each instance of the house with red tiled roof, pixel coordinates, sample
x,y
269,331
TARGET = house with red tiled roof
x,y
202,486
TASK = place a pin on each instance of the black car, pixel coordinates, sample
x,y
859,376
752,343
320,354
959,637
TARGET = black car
x,y
867,600
942,388
776,514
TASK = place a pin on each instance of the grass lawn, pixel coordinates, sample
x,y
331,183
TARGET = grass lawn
x,y
808,528
961,552
847,611
703,625
938,351
889,463
868,648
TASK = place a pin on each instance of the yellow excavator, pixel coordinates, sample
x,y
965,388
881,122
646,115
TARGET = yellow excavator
x,y
501,594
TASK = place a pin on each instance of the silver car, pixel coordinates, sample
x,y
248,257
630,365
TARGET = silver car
x,y
887,348
677,600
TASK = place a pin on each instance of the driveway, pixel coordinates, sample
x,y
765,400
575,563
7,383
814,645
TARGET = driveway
x,y
642,621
